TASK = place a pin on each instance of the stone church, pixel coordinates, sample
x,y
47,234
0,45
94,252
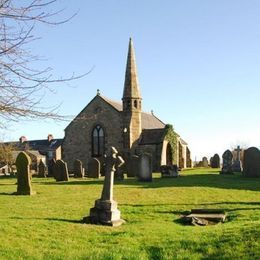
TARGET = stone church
x,y
104,123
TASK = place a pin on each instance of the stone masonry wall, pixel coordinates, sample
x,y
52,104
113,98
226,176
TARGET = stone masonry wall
x,y
78,135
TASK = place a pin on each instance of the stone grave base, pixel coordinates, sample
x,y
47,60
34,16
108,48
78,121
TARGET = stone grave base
x,y
237,166
30,193
230,172
106,213
204,217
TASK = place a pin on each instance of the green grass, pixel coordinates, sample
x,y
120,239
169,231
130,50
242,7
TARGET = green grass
x,y
48,224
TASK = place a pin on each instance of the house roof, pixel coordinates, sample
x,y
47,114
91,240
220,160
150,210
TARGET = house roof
x,y
152,136
37,145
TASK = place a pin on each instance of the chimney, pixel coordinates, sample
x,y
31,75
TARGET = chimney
x,y
22,139
49,137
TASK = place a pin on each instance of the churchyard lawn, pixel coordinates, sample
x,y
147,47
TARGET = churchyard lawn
x,y
48,225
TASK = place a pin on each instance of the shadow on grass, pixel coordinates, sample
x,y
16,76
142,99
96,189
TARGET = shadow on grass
x,y
207,179
78,221
7,193
201,180
80,182
251,206
65,220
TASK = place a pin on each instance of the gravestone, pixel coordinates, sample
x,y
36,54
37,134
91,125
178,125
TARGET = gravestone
x,y
169,171
102,161
24,177
215,163
119,173
42,170
132,166
227,162
51,165
61,171
145,167
78,169
251,163
237,164
105,211
205,162
93,168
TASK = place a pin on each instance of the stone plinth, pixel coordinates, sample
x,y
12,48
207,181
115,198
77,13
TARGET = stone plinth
x,y
106,213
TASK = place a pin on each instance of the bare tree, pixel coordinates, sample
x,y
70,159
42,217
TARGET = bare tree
x,y
6,155
20,84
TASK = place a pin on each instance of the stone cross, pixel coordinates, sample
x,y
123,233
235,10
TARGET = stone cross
x,y
105,211
238,150
112,162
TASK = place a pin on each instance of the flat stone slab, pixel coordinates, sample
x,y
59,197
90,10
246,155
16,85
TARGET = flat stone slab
x,y
204,217
210,217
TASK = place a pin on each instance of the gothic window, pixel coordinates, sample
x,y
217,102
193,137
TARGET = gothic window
x,y
98,141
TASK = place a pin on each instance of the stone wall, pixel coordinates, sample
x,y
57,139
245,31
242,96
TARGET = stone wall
x,y
78,135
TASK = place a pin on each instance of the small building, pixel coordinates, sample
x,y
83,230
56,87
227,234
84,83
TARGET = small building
x,y
44,149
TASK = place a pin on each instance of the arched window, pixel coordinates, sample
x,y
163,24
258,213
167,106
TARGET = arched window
x,y
98,141
135,103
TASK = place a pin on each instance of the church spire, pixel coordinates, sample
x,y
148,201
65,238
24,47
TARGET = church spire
x,y
131,86
132,102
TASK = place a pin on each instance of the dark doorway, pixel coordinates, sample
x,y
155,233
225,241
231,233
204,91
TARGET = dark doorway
x,y
169,154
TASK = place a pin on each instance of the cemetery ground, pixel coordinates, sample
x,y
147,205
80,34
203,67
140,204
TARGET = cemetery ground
x,y
48,225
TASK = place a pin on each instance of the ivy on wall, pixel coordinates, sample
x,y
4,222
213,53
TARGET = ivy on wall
x,y
172,137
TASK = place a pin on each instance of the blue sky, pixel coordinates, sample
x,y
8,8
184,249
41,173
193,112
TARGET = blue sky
x,y
198,64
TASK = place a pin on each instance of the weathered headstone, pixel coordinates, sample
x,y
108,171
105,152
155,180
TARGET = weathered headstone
x,y
24,177
145,168
119,173
237,164
78,169
105,211
169,171
102,161
251,164
61,171
227,162
215,163
42,170
51,165
132,166
205,162
93,168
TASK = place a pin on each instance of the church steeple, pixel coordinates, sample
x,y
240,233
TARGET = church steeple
x,y
131,86
132,102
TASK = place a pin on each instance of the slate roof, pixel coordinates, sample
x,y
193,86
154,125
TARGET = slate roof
x,y
152,136
37,145
149,121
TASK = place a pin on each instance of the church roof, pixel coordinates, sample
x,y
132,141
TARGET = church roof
x,y
183,142
149,121
152,136
115,104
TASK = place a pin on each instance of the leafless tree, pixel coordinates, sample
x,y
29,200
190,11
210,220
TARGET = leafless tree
x,y
20,84
6,154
